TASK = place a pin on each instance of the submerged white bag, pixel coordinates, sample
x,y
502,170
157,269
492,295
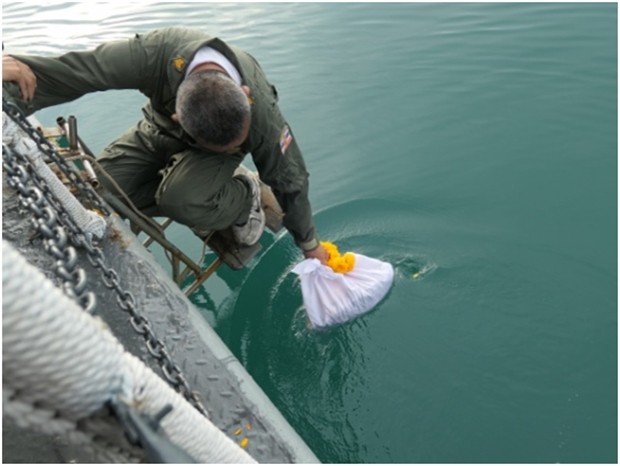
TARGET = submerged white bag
x,y
333,298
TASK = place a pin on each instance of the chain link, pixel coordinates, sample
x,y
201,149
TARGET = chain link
x,y
47,224
50,217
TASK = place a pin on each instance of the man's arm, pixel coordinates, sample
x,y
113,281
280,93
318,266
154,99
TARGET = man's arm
x,y
46,81
281,165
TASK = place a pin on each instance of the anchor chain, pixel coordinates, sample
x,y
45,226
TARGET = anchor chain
x,y
46,222
125,300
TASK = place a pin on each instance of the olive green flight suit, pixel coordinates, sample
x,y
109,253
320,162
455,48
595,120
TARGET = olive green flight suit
x,y
156,162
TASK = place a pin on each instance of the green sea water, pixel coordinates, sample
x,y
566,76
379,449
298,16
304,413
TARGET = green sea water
x,y
472,146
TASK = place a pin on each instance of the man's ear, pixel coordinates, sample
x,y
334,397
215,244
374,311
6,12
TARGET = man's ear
x,y
174,117
246,90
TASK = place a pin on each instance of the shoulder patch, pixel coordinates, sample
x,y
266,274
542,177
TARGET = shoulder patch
x,y
286,137
179,63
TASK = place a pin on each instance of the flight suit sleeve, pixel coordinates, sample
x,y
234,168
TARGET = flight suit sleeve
x,y
281,165
114,65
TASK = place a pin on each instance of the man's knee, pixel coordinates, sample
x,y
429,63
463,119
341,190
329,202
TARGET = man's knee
x,y
210,205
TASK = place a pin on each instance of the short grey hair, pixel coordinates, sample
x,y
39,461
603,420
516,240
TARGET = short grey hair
x,y
211,107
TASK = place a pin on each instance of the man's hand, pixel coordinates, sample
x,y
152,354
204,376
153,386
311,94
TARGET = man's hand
x,y
20,73
318,253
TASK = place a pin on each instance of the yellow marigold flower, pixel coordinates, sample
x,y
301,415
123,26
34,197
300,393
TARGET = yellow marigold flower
x,y
338,263
349,260
331,248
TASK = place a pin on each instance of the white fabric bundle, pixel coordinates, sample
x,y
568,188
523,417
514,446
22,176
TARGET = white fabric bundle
x,y
333,298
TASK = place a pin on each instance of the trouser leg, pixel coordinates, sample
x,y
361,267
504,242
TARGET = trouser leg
x,y
199,190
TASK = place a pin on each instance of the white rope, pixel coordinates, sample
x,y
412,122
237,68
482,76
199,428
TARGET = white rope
x,y
12,135
59,359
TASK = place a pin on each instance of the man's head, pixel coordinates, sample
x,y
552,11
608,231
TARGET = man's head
x,y
214,110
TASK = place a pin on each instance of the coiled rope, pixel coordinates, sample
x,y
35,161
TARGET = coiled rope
x,y
61,366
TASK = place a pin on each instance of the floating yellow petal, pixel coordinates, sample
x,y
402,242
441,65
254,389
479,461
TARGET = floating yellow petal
x,y
337,262
244,443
